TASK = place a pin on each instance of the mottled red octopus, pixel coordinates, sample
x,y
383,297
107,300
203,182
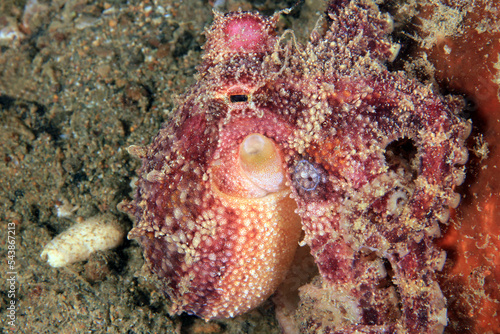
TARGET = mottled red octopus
x,y
280,144
467,61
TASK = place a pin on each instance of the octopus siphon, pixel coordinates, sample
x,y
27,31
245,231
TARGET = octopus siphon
x,y
281,145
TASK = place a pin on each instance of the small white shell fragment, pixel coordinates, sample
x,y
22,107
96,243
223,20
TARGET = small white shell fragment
x,y
80,240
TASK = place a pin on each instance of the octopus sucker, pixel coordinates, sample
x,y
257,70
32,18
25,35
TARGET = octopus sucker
x,y
280,142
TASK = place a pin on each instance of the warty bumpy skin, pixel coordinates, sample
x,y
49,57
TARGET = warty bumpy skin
x,y
276,139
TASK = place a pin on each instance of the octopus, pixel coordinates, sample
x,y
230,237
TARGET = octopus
x,y
281,146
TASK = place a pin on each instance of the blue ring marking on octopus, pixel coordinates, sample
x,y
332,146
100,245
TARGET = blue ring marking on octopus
x,y
306,175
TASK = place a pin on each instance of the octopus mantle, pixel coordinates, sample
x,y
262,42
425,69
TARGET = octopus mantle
x,y
280,144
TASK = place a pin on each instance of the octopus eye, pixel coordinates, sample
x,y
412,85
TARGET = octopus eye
x,y
238,98
306,175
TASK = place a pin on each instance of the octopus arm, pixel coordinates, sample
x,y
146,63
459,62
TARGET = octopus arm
x,y
355,29
382,200
172,197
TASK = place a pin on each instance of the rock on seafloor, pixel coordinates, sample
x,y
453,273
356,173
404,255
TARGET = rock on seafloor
x,y
78,242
